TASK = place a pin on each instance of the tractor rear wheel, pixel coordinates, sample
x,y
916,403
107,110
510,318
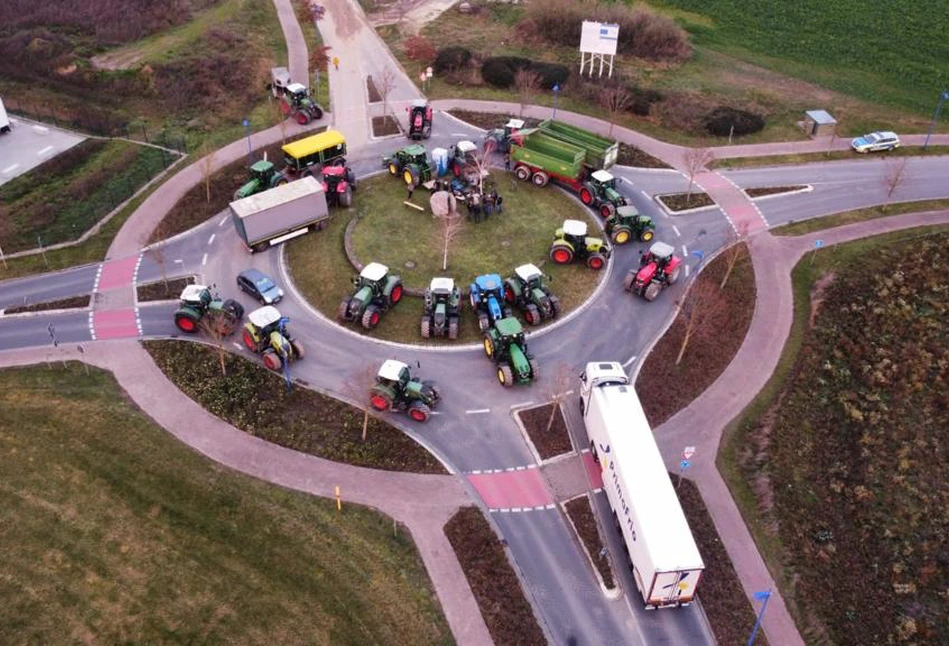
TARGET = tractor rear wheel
x,y
426,327
343,309
606,210
509,293
586,195
453,328
522,173
419,411
532,314
248,339
506,376
488,346
483,321
272,360
298,350
652,291
647,235
346,198
381,397
284,107
394,167
621,235
187,320
674,275
412,175
555,307
596,261
561,254
629,281
540,179
426,131
370,318
303,118
317,113
534,368
396,294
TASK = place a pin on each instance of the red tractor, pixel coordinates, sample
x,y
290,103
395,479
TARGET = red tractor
x,y
339,182
658,268
420,120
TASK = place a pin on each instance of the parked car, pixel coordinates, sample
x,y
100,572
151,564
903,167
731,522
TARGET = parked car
x,y
876,141
260,286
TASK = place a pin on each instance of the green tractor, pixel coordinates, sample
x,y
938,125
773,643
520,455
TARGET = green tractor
x,y
395,389
599,193
626,223
412,163
505,345
197,302
266,334
376,291
442,309
263,175
297,102
571,242
528,290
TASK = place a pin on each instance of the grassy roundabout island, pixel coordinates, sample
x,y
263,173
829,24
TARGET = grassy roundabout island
x,y
410,243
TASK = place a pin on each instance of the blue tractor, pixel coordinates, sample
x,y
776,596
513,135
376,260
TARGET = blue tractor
x,y
487,300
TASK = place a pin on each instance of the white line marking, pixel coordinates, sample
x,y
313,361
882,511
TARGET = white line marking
x,y
685,250
517,509
645,194
434,412
44,151
522,404
204,260
478,411
598,490
10,169
223,220
476,471
179,260
631,359
676,229
686,271
237,345
550,506
92,327
520,468
460,134
40,128
211,239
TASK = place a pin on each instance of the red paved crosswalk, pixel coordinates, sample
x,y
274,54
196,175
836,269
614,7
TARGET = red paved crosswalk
x,y
742,212
516,490
115,324
117,273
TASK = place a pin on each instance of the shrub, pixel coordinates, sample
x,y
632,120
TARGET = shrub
x,y
451,59
722,119
500,71
420,49
641,100
551,74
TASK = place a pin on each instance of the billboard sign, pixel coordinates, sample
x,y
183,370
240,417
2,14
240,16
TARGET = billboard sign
x,y
599,38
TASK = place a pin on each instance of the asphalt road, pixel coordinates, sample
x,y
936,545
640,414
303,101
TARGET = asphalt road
x,y
29,144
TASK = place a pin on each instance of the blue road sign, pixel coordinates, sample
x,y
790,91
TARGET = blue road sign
x,y
818,243
698,253
246,122
685,464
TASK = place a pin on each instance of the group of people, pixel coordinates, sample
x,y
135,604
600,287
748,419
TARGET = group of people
x,y
480,204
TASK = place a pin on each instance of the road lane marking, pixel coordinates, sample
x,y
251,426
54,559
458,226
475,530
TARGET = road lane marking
x,y
459,134
179,261
223,220
631,359
686,271
676,229
237,345
478,411
645,194
10,169
204,260
211,239
44,151
685,251
522,404
40,128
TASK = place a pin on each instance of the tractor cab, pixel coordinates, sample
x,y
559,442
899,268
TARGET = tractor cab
x,y
297,93
442,286
605,186
575,232
603,180
512,126
658,268
510,331
414,154
489,283
420,119
263,321
263,171
529,275
659,254
394,374
372,276
197,296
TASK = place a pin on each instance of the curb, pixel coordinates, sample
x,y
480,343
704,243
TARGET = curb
x,y
610,593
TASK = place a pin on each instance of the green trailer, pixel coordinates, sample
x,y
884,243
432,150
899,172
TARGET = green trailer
x,y
600,152
540,158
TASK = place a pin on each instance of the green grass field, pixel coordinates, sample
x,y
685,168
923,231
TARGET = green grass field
x,y
893,53
116,533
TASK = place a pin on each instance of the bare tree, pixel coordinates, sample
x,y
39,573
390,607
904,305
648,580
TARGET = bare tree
x,y
157,251
615,99
527,84
282,122
217,326
451,225
384,87
734,250
703,302
207,169
695,160
401,10
556,389
358,386
894,177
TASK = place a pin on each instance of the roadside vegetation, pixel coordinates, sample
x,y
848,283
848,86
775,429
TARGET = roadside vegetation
x,y
547,429
857,215
61,199
835,155
163,290
256,401
123,534
411,244
838,463
716,319
74,302
505,609
584,523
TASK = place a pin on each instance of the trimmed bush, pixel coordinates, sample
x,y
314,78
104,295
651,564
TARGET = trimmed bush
x,y
451,59
551,74
641,100
500,71
721,120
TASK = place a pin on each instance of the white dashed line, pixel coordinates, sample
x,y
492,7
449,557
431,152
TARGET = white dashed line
x,y
645,194
237,345
179,261
522,404
686,271
211,239
223,220
685,250
478,411
631,359
40,128
44,151
92,327
676,229
10,169
459,134
204,260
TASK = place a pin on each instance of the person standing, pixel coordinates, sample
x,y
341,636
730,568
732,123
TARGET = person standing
x,y
336,62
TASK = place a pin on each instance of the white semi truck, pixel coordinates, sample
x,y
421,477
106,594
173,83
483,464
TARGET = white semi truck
x,y
666,563
280,213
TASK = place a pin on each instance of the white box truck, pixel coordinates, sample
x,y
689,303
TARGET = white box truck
x,y
280,213
666,563
4,119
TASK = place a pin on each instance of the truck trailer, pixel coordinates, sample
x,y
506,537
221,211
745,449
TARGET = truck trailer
x,y
541,158
666,563
280,213
601,153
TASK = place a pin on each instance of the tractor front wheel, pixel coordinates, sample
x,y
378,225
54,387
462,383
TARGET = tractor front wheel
x,y
540,179
522,173
561,254
317,113
607,210
187,320
298,350
394,168
379,402
412,175
426,327
488,346
506,376
272,360
419,411
621,235
647,235
674,275
370,318
396,294
629,281
555,307
652,291
534,368
453,328
343,310
237,195
483,321
532,314
303,118
596,261
248,339
586,195
346,198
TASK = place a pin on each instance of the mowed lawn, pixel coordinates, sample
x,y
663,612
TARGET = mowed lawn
x,y
113,532
892,53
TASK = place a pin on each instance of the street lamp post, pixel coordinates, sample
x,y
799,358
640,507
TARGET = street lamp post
x,y
250,153
759,596
942,97
556,89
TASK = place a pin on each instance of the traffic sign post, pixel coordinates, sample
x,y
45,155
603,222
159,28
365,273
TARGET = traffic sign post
x,y
556,89
817,245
